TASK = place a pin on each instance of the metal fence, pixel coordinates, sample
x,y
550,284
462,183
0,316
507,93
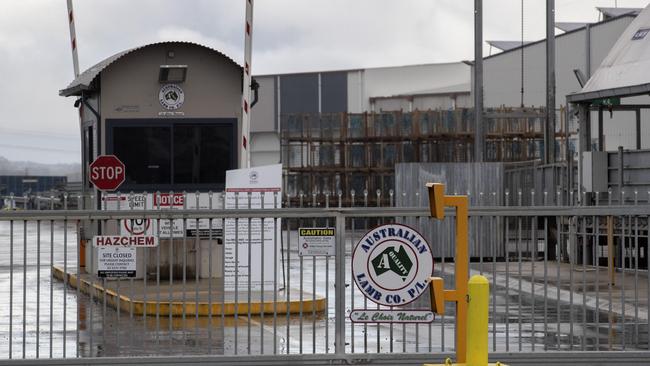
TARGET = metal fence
x,y
562,278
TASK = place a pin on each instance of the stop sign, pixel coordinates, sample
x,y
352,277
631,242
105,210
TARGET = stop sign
x,y
107,172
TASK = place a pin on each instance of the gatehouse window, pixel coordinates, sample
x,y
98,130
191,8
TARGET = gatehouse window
x,y
188,154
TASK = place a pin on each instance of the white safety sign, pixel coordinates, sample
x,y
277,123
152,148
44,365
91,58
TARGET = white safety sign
x,y
164,228
316,241
259,187
116,261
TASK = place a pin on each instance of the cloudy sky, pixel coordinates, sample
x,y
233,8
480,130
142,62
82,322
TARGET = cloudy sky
x,y
289,36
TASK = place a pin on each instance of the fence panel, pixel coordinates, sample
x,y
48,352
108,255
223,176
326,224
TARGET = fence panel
x,y
563,278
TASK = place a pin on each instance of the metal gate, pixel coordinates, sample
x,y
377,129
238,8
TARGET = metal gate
x,y
562,279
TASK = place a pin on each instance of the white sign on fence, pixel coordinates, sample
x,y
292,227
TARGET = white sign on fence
x,y
391,316
165,201
260,184
316,241
392,264
116,261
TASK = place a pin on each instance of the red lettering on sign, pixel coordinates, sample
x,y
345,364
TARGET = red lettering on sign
x,y
168,200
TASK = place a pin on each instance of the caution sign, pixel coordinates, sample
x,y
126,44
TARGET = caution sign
x,y
391,265
116,261
316,241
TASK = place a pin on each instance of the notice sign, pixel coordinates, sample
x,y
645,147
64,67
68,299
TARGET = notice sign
x,y
164,228
255,188
316,241
391,316
116,261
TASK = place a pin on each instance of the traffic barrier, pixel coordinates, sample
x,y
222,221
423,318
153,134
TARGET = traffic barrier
x,y
478,301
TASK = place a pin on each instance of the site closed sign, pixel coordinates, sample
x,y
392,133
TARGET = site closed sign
x,y
117,255
116,262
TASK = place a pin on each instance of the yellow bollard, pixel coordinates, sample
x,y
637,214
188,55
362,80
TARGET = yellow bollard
x,y
472,328
478,302
478,299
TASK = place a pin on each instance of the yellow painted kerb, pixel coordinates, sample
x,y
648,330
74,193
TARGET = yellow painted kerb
x,y
190,308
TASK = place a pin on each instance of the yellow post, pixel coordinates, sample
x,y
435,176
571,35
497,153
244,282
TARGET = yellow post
x,y
477,323
437,202
472,351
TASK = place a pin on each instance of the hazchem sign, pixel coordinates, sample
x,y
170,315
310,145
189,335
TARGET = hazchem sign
x,y
116,255
392,264
107,173
130,241
316,241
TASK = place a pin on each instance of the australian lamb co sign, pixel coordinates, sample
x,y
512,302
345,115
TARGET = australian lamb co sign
x,y
392,264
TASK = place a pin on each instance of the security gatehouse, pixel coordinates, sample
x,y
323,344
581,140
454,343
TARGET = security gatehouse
x,y
170,112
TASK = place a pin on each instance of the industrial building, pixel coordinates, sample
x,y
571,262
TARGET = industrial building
x,y
345,130
21,185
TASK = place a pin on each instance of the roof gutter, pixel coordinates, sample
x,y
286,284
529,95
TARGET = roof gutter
x,y
624,91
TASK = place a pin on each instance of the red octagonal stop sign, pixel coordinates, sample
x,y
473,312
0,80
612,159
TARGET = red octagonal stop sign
x,y
107,172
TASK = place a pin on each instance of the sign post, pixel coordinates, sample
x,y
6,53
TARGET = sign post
x,y
437,203
107,172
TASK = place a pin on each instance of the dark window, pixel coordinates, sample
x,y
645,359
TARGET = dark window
x,y
202,153
174,154
145,151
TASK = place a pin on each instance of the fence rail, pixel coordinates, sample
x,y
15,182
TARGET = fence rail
x,y
563,278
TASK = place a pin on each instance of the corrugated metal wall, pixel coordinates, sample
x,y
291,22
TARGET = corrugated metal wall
x,y
483,182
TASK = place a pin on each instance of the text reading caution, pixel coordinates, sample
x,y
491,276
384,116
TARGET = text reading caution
x,y
316,241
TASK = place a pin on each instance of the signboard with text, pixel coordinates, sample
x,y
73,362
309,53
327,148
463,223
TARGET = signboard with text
x,y
391,316
314,241
116,261
392,264
256,188
203,228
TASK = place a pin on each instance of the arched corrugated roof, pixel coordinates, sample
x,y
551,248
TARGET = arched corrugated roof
x,y
86,78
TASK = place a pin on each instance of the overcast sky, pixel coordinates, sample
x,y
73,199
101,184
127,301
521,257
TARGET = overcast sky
x,y
289,36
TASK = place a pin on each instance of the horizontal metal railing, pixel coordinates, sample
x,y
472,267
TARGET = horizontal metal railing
x,y
552,287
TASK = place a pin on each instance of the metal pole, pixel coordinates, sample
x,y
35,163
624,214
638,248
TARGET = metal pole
x,y
244,157
73,39
339,280
638,129
549,131
601,133
588,50
479,141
